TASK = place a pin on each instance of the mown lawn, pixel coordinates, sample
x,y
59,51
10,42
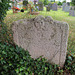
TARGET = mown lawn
x,y
56,15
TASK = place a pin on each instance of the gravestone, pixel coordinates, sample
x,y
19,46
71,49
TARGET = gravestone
x,y
54,7
42,36
72,11
40,6
50,5
68,3
67,8
63,6
47,8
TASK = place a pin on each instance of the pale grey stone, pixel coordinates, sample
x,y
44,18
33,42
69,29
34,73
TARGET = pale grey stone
x,y
54,7
63,6
72,11
42,36
67,8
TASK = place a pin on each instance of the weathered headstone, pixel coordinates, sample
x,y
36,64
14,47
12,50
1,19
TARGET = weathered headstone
x,y
67,8
42,37
41,6
68,3
54,7
63,6
50,5
47,8
72,11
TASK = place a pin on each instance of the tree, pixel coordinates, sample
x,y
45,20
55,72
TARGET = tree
x,y
64,1
4,4
73,2
45,2
4,31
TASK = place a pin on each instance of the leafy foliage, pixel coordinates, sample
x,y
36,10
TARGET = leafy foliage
x,y
64,1
70,63
5,34
15,60
46,2
73,2
59,3
4,4
25,2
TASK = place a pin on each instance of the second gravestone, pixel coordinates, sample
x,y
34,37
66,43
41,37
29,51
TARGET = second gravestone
x,y
63,6
67,8
42,36
41,6
54,7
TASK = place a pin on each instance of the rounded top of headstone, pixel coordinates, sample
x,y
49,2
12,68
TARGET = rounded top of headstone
x,y
48,18
39,18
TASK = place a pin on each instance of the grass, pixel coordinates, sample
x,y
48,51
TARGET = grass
x,y
56,15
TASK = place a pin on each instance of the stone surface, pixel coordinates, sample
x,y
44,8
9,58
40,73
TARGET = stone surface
x,y
42,36
67,8
63,6
68,3
54,7
40,6
47,8
72,11
50,5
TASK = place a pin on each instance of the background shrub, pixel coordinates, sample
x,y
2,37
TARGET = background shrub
x,y
64,1
4,4
59,3
5,33
73,2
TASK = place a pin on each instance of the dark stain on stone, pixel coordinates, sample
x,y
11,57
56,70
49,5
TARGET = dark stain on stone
x,y
52,36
